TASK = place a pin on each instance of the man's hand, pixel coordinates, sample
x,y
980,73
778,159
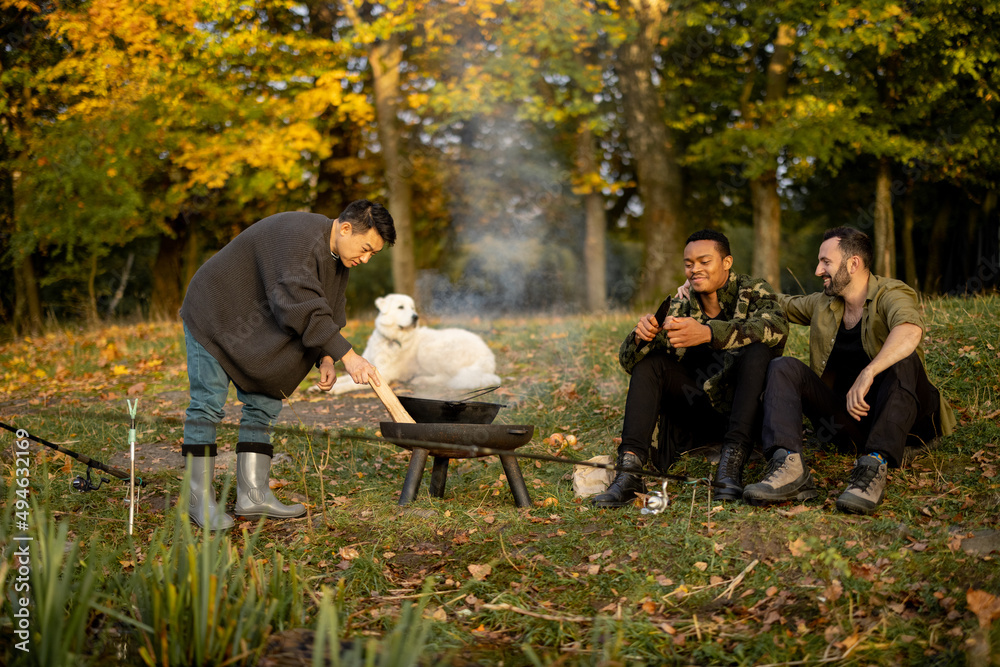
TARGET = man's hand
x,y
327,374
359,369
684,291
856,405
648,327
901,342
687,332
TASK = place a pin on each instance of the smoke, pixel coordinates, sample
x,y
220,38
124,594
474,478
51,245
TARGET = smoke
x,y
517,228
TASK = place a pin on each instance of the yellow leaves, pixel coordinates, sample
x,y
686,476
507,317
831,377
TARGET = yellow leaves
x,y
109,354
418,100
985,606
118,369
349,553
849,642
588,183
799,547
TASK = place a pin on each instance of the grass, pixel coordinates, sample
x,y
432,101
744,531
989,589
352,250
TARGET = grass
x,y
558,583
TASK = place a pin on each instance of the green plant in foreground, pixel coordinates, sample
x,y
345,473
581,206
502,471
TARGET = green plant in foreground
x,y
63,593
402,646
199,601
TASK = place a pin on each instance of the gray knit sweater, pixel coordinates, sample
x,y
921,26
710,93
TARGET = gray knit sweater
x,y
271,303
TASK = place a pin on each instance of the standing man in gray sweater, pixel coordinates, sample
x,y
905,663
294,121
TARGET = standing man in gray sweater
x,y
260,314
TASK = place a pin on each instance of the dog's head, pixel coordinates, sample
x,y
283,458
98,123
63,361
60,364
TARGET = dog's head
x,y
396,313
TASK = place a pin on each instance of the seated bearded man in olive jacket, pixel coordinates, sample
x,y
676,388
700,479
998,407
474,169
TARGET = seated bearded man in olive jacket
x,y
260,314
704,365
865,387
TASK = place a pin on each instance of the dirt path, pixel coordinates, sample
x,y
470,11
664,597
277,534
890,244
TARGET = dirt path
x,y
158,448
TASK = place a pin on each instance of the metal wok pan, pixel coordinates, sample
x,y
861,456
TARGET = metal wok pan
x,y
428,411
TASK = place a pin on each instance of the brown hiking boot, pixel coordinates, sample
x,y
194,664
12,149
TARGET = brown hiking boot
x,y
786,478
866,488
622,490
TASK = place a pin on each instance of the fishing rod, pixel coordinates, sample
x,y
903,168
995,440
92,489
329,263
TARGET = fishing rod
x,y
79,483
475,451
655,504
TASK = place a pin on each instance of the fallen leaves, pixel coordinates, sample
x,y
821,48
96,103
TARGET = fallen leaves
x,y
985,606
833,591
480,572
798,547
348,553
849,643
788,514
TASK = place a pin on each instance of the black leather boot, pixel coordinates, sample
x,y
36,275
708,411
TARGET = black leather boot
x,y
732,460
625,485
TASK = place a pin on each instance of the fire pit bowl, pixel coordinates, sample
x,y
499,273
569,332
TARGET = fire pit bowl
x,y
501,437
430,411
439,436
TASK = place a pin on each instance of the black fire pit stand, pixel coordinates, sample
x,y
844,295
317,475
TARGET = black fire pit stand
x,y
439,475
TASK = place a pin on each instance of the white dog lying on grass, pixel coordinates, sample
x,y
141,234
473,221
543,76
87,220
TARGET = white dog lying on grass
x,y
420,356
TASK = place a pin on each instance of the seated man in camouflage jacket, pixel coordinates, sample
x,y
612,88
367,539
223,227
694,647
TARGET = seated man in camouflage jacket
x,y
705,365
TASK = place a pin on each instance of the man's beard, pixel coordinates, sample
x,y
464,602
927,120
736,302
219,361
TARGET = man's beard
x,y
838,282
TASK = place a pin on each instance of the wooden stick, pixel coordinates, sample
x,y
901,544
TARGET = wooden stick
x,y
535,614
389,400
728,593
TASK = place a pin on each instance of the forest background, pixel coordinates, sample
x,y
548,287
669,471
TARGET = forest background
x,y
536,155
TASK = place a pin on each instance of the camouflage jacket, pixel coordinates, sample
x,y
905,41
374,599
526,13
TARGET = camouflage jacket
x,y
750,314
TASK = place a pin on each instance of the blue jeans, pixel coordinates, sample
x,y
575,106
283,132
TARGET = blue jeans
x,y
209,389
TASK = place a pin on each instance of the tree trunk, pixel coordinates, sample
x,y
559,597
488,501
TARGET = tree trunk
x,y
909,254
27,302
595,253
120,292
939,236
764,188
595,242
766,228
91,308
167,276
885,231
385,60
654,148
385,57
192,257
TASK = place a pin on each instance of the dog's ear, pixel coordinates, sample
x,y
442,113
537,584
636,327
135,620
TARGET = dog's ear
x,y
379,301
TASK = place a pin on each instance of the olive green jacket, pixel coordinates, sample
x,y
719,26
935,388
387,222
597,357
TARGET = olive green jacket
x,y
889,303
750,314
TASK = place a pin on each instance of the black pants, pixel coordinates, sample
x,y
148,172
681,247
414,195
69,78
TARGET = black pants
x,y
662,383
900,396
